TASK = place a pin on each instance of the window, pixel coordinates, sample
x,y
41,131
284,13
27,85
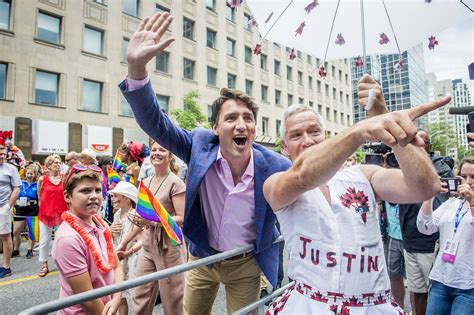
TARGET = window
x,y
308,59
289,74
188,69
230,47
277,97
126,110
290,99
278,125
49,28
46,88
326,89
211,38
347,78
310,82
231,79
162,61
5,6
319,86
211,76
333,71
335,116
93,40
300,101
248,55
265,126
130,7
342,118
348,120
91,96
188,28
328,114
264,93
276,66
246,22
300,54
230,13
340,75
210,4
334,94
164,102
341,97
248,87
3,81
125,42
311,104
347,99
161,9
263,62
100,1
320,109
300,78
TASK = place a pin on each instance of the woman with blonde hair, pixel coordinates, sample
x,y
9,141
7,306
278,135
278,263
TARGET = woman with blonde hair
x,y
52,205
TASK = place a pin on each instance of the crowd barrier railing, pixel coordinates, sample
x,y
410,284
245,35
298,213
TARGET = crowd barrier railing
x,y
75,299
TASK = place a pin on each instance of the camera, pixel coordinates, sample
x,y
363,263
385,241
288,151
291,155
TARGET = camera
x,y
452,183
378,152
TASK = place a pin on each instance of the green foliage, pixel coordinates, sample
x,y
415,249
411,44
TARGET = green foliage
x,y
277,145
442,138
191,116
360,155
464,152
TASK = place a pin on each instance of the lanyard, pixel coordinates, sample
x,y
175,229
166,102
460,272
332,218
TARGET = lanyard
x,y
459,216
149,184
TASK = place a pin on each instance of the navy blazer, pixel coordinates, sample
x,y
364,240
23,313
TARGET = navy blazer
x,y
198,148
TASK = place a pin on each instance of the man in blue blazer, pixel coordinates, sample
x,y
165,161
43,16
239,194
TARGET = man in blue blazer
x,y
225,207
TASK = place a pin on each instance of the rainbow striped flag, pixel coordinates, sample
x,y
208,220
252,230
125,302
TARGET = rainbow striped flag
x,y
149,208
112,176
118,164
33,228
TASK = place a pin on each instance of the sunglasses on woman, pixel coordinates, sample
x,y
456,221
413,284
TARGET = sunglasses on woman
x,y
77,168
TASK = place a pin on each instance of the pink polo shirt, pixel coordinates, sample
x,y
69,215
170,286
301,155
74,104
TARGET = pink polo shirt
x,y
229,210
74,258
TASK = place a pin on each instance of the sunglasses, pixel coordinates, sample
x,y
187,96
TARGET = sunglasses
x,y
77,168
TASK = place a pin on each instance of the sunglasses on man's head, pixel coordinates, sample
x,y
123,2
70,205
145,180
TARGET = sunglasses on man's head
x,y
77,168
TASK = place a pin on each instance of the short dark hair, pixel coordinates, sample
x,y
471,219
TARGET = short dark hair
x,y
468,160
232,94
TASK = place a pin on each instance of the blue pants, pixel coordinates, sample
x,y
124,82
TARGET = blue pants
x,y
447,300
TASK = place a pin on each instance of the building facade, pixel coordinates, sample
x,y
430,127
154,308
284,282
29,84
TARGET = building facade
x,y
462,97
61,62
401,89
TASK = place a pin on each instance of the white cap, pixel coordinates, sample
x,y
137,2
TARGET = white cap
x,y
89,153
125,189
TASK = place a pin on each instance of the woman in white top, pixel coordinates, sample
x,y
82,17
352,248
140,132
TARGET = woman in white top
x,y
452,291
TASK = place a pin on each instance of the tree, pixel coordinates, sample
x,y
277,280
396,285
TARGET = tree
x,y
191,116
442,137
464,152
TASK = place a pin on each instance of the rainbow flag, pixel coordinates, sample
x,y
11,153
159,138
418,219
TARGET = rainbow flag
x,y
118,164
33,228
149,208
112,176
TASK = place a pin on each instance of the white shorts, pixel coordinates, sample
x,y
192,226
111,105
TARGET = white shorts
x,y
6,222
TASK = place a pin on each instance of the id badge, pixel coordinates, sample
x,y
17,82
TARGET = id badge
x,y
23,201
449,253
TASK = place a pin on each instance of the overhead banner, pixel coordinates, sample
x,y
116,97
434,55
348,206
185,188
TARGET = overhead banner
x,y
98,139
50,137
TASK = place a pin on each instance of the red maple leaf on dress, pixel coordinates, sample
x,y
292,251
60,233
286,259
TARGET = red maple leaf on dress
x,y
358,199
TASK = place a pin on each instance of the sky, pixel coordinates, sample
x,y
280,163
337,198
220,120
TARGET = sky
x,y
455,52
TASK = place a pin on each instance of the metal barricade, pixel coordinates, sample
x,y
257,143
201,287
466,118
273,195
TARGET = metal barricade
x,y
75,299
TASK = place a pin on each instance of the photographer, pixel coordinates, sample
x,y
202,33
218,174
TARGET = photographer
x,y
420,248
452,290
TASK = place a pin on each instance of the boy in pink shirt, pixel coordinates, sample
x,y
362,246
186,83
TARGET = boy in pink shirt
x,y
83,248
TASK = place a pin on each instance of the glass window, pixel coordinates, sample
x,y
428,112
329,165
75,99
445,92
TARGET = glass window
x,y
210,4
100,1
265,126
263,62
188,28
5,6
211,38
278,125
300,101
246,22
230,47
248,87
289,74
310,82
164,102
231,80
93,40
188,69
130,7
277,97
308,59
162,61
328,114
125,42
248,55
290,99
211,76
335,116
229,13
264,93
92,96
126,109
3,81
276,66
161,9
311,104
49,28
46,88
300,78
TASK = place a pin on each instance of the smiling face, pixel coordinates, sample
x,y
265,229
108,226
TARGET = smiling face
x,y
86,198
235,128
467,173
30,175
55,165
159,156
303,130
120,202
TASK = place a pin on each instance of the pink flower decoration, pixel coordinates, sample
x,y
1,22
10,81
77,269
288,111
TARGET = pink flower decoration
x,y
251,22
432,42
359,63
235,3
258,49
300,28
383,39
311,6
399,65
292,54
340,40
322,73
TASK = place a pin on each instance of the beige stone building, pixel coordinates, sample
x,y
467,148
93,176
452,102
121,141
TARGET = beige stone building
x,y
61,62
